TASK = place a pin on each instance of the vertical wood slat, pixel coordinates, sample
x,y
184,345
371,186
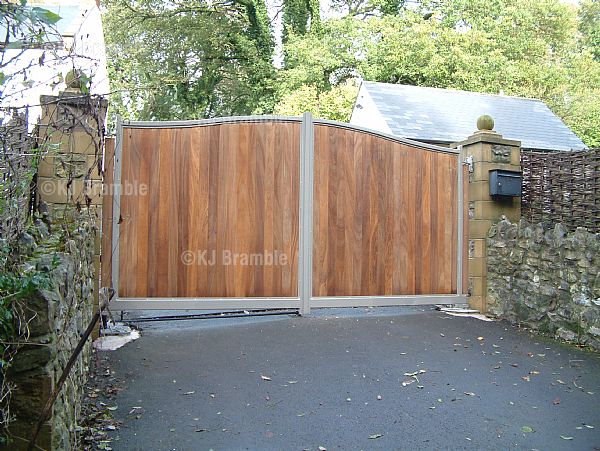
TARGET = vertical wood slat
x,y
107,219
402,199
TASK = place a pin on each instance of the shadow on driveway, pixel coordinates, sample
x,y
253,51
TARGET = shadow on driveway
x,y
393,378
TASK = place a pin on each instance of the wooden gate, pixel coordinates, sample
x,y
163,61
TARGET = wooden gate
x,y
276,212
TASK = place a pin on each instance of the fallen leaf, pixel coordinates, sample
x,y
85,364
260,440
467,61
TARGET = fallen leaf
x,y
374,436
527,429
265,378
413,374
564,437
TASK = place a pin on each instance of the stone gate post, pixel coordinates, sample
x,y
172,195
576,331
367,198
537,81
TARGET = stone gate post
x,y
486,150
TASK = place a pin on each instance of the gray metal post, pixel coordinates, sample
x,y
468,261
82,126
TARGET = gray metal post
x,y
305,244
116,211
460,219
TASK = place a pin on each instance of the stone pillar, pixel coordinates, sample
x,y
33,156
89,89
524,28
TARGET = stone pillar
x,y
486,150
71,132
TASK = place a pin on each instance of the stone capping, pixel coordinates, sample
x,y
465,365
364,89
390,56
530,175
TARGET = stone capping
x,y
546,278
487,137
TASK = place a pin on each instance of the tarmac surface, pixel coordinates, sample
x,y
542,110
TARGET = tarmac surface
x,y
353,379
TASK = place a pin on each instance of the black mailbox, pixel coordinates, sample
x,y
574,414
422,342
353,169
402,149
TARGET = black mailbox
x,y
505,183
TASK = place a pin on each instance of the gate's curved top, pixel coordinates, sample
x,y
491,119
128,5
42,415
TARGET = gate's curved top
x,y
274,118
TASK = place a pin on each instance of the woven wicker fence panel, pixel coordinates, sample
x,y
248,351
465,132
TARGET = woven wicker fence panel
x,y
562,187
15,164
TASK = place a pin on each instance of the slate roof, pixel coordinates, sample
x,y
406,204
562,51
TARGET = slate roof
x,y
447,116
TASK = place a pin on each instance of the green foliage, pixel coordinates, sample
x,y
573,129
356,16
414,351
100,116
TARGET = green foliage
x,y
18,280
522,48
189,60
589,26
334,104
299,16
27,26
165,66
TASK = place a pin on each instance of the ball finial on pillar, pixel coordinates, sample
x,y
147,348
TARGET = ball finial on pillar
x,y
485,122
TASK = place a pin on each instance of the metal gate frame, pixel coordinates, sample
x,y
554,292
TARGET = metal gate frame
x,y
304,301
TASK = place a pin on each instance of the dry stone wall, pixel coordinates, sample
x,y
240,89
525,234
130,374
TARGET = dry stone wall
x,y
546,278
58,316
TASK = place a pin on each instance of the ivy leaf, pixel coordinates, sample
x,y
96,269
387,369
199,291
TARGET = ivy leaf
x,y
45,15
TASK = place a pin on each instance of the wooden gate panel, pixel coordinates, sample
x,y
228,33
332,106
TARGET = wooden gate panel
x,y
384,216
194,195
212,191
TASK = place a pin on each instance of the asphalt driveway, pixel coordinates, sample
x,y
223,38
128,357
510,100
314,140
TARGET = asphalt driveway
x,y
358,379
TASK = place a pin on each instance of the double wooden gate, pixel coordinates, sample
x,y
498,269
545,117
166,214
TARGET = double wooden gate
x,y
277,212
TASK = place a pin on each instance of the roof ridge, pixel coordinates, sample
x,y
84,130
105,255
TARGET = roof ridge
x,y
485,94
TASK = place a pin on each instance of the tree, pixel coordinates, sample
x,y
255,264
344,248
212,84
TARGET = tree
x,y
335,104
299,16
522,48
589,26
191,60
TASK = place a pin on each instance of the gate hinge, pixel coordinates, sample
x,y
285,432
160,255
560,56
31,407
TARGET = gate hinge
x,y
469,162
